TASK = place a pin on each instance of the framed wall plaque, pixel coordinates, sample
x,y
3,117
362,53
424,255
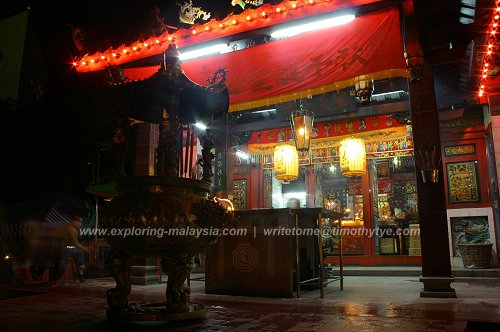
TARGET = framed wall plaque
x,y
240,194
463,182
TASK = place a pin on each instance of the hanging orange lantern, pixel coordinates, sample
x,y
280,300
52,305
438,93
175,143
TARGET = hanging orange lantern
x,y
286,163
352,156
415,63
363,86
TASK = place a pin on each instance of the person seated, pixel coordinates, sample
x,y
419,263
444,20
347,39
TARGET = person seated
x,y
74,248
50,245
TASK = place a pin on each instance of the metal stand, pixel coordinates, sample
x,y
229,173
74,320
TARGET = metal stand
x,y
319,281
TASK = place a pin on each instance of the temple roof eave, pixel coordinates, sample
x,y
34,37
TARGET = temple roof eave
x,y
251,19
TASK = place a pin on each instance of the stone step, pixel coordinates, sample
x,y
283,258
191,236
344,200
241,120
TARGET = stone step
x,y
414,271
146,280
142,270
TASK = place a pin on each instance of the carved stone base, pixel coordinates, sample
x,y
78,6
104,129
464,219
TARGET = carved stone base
x,y
437,287
154,314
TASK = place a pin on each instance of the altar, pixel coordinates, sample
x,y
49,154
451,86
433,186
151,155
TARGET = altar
x,y
281,252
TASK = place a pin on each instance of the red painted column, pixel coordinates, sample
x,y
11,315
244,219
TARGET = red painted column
x,y
310,186
147,141
436,267
255,185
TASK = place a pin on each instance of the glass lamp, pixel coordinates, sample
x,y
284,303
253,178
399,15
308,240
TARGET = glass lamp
x,y
302,123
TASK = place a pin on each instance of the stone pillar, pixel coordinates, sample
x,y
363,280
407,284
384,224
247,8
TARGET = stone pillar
x,y
436,267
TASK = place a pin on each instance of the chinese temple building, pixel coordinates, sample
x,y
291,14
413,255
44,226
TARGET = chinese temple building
x,y
417,91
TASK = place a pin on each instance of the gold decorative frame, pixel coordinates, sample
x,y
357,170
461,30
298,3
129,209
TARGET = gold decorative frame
x,y
463,182
460,150
240,194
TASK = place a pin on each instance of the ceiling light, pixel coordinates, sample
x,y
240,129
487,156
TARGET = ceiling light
x,y
210,50
263,111
242,154
388,93
200,125
321,24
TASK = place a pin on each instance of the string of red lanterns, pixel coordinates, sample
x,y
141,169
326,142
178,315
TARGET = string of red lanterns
x,y
489,53
263,16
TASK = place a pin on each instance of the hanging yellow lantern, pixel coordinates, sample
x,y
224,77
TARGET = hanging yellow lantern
x,y
352,155
286,163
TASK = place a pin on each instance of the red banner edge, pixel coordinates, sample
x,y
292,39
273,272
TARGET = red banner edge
x,y
389,73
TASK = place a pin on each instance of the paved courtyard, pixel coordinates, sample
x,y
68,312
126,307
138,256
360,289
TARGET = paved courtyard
x,y
367,303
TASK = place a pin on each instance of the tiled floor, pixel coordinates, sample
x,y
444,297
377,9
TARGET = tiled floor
x,y
365,304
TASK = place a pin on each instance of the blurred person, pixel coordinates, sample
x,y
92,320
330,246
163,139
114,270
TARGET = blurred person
x,y
74,248
51,244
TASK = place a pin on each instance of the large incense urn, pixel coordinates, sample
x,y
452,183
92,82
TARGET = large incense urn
x,y
167,215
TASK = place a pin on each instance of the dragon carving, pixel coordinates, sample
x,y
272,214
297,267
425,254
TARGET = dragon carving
x,y
188,14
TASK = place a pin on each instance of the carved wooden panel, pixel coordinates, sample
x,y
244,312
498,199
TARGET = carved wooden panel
x,y
459,150
240,194
463,184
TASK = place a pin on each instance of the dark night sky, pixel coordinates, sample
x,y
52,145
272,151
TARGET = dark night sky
x,y
107,23
52,147
111,22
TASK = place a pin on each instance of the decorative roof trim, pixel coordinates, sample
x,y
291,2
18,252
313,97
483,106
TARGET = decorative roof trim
x,y
251,19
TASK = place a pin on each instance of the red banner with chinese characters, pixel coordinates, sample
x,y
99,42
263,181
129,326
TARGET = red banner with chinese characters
x,y
383,136
308,64
328,129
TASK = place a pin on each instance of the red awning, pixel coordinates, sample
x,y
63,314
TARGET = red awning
x,y
305,65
